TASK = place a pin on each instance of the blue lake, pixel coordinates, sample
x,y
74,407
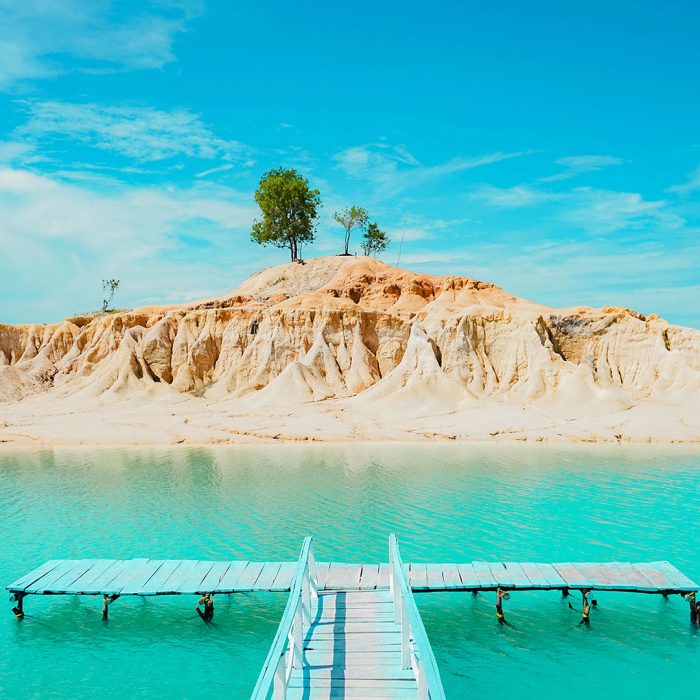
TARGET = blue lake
x,y
447,503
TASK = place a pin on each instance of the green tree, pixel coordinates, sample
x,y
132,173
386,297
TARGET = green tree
x,y
289,211
350,218
109,287
374,240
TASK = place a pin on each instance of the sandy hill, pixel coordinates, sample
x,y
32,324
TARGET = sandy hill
x,y
350,348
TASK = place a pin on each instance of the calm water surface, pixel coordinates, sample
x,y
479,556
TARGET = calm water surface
x,y
448,503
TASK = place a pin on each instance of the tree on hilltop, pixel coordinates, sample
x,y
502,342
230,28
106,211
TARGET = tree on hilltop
x,y
289,211
374,240
109,287
350,218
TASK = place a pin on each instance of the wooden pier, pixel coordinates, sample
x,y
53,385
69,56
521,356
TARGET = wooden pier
x,y
349,630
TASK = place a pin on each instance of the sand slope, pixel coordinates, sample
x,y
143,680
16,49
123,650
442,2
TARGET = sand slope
x,y
343,348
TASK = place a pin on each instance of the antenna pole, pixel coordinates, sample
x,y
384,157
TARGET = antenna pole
x,y
405,220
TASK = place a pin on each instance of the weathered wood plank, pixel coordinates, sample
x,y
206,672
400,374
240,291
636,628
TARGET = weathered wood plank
x,y
517,574
369,577
267,576
96,586
229,581
210,583
451,577
322,571
336,576
383,580
676,578
483,574
283,580
64,584
250,576
551,575
501,575
45,583
34,575
470,580
159,581
99,567
142,577
418,576
434,577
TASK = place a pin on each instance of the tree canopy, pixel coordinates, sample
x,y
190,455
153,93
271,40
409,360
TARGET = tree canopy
x,y
350,218
374,240
289,211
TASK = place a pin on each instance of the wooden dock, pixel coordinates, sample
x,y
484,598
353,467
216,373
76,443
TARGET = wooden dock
x,y
349,630
153,577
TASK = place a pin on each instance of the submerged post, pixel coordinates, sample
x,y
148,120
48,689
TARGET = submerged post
x,y
585,608
107,600
18,610
694,608
501,595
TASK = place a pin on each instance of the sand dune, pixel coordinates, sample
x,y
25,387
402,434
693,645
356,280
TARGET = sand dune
x,y
344,348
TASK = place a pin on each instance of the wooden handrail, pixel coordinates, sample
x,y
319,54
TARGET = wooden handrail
x,y
416,652
287,649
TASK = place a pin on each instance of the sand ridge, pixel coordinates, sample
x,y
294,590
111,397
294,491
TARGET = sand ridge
x,y
345,348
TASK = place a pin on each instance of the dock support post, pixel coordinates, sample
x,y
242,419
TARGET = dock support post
x,y
564,592
585,608
18,610
501,595
107,600
694,608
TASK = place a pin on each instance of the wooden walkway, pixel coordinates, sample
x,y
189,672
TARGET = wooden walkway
x,y
151,577
353,650
348,630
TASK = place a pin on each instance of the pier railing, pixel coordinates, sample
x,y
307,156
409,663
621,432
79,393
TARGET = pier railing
x,y
416,652
287,650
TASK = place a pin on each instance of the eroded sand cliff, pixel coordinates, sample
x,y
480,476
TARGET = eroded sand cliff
x,y
343,348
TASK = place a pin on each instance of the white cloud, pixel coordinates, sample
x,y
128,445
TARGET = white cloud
x,y
44,38
512,197
66,236
392,169
212,171
605,211
692,184
135,131
578,165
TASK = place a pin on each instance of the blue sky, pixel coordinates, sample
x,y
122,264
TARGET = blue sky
x,y
552,148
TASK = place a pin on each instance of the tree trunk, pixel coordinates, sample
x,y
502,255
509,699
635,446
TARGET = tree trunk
x,y
347,240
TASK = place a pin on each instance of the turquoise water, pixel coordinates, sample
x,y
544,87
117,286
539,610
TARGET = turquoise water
x,y
446,502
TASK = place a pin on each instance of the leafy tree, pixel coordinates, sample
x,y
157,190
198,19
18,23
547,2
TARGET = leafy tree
x,y
350,218
374,240
109,287
289,211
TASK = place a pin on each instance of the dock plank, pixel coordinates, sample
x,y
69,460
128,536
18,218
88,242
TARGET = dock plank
x,y
283,580
34,575
418,576
229,581
383,579
434,577
83,583
159,581
336,576
483,574
369,577
142,577
250,576
210,583
470,581
64,584
44,583
268,575
517,574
